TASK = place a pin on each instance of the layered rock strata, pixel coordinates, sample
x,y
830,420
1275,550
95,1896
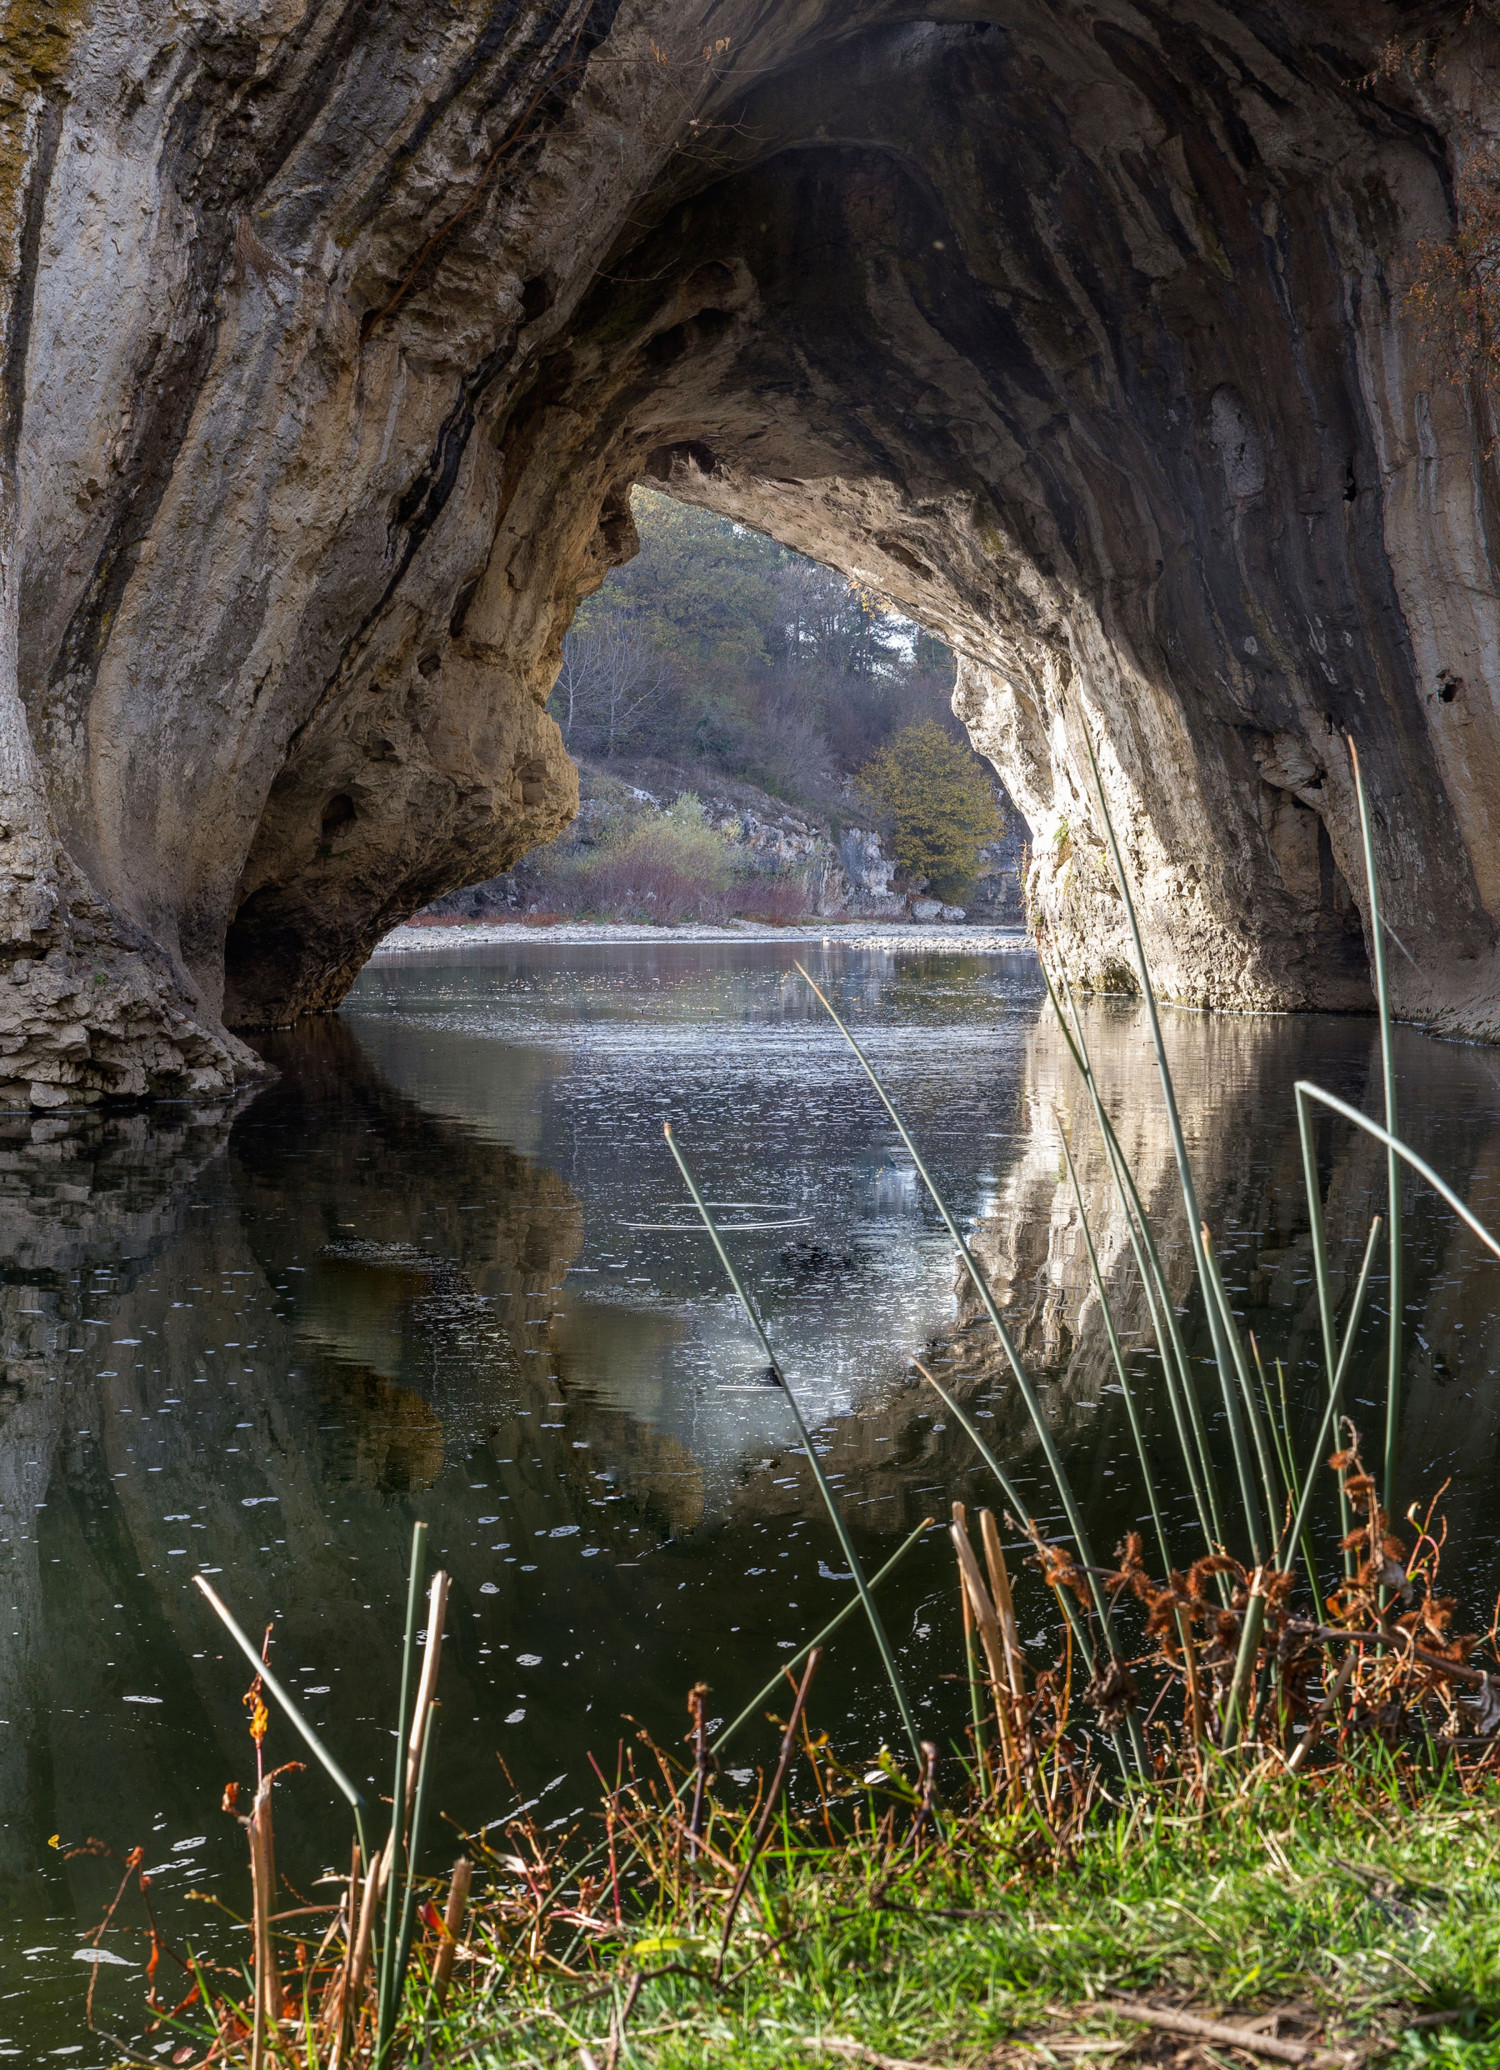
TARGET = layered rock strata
x,y
335,335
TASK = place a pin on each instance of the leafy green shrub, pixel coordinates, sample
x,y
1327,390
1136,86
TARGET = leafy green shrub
x,y
655,865
938,803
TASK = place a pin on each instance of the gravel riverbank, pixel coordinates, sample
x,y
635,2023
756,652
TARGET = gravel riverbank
x,y
959,936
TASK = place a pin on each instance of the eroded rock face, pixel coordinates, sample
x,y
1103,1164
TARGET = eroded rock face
x,y
336,334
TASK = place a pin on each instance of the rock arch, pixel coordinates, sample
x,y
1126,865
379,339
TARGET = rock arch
x,y
335,336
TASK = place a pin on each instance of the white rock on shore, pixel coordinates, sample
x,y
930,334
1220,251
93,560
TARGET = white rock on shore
x,y
861,934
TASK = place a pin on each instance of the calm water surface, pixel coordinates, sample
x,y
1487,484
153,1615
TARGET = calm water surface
x,y
443,1267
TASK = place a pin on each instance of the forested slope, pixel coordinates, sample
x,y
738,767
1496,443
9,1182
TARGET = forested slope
x,y
720,667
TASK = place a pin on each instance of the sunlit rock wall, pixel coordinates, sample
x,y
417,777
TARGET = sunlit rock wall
x,y
334,335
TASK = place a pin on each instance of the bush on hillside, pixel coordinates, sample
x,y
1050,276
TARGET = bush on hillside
x,y
640,861
780,899
650,865
939,805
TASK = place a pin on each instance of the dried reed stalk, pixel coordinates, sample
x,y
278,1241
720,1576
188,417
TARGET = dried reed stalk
x,y
696,1695
359,1959
336,2001
1197,1716
1322,1714
971,1672
778,1781
263,1897
437,1611
453,1919
994,1559
994,1647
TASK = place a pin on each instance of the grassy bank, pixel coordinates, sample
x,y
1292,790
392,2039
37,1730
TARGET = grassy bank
x,y
1348,1920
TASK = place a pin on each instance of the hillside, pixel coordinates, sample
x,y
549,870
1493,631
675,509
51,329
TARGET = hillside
x,y
719,667
780,861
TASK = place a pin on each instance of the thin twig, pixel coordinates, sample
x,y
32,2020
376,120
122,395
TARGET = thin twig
x,y
783,1767
858,2052
1232,2036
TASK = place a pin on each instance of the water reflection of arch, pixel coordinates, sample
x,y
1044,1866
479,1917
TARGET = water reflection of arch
x,y
1234,1077
402,1340
90,1203
428,1258
170,1400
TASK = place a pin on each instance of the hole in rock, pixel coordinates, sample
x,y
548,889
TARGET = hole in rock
x,y
337,813
536,299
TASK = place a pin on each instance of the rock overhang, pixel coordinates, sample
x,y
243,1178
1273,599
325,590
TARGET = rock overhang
x,y
1080,333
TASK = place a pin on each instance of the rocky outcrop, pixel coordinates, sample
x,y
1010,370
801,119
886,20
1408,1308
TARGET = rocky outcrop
x,y
334,336
772,846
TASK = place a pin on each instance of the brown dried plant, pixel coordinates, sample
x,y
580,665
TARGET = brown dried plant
x,y
674,1882
1454,292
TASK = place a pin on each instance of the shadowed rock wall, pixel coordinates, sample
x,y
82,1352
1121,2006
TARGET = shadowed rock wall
x,y
334,336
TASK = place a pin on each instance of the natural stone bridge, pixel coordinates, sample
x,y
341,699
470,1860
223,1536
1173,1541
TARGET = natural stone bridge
x,y
336,331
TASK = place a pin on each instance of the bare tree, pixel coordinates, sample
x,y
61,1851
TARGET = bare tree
x,y
612,673
794,753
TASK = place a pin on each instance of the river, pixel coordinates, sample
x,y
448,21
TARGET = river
x,y
443,1267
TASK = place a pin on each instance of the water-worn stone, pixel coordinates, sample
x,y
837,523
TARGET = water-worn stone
x,y
334,334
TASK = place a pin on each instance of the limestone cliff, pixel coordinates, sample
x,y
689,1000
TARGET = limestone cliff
x,y
335,333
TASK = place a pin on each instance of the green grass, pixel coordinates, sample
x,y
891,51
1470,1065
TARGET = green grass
x,y
1361,1911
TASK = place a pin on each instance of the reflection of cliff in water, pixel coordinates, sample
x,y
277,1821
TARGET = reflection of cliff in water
x,y
430,1262
242,1352
1234,1078
901,1455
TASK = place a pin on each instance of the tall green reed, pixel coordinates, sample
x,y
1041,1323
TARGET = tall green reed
x,y
830,1500
1228,1345
1392,1165
1182,1391
1039,1423
1296,1530
1219,1321
1122,1371
1274,1497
